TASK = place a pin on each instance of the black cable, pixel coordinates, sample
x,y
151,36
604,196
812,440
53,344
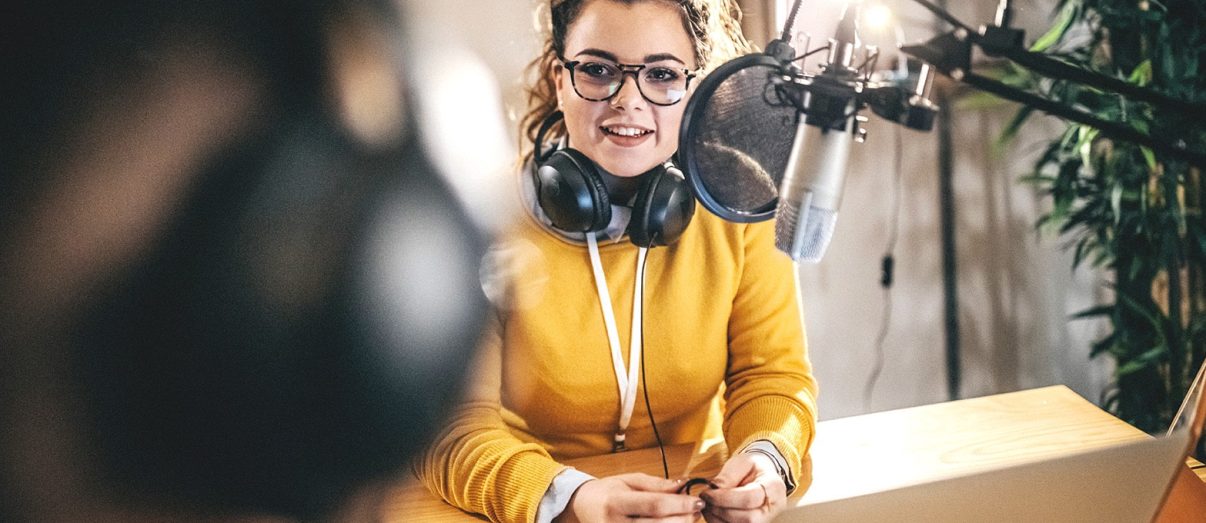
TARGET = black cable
x,y
809,53
887,270
873,60
645,386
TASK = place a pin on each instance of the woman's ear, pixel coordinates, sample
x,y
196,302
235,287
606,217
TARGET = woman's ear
x,y
557,72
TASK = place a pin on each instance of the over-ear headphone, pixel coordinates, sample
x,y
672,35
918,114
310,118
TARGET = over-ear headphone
x,y
298,322
571,192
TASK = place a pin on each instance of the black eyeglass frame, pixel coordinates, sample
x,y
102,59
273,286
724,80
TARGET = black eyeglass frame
x,y
626,69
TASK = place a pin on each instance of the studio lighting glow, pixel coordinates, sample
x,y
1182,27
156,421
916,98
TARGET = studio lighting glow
x,y
876,16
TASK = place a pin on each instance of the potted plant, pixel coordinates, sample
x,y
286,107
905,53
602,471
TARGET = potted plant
x,y
1125,209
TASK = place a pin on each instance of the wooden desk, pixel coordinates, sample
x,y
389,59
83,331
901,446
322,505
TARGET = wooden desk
x,y
875,452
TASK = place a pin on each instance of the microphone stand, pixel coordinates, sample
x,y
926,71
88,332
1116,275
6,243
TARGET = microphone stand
x,y
832,90
950,53
950,273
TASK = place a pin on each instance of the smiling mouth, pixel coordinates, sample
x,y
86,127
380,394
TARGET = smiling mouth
x,y
627,132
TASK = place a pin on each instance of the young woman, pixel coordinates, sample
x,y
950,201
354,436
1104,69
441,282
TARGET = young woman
x,y
705,332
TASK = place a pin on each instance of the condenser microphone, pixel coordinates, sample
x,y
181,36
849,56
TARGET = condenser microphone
x,y
814,179
763,139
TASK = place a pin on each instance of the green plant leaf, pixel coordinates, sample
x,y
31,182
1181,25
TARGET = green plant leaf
x,y
1103,344
1099,310
1142,74
1144,360
1067,16
1011,130
1036,179
1116,203
1078,253
1084,144
1153,320
1201,242
1149,157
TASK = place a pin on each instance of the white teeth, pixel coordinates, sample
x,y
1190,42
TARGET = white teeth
x,y
626,131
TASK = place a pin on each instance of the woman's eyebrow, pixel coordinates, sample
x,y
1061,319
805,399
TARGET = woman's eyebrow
x,y
656,57
661,57
597,52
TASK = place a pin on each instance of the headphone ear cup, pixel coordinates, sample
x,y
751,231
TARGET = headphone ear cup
x,y
663,208
571,192
278,310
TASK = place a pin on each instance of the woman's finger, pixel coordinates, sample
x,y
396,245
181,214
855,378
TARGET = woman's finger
x,y
729,515
675,519
652,505
647,483
711,516
738,470
745,497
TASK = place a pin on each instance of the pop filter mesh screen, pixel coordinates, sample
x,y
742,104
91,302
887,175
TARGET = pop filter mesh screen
x,y
737,139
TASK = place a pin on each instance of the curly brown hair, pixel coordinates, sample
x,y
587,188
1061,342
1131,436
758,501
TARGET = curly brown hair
x,y
714,27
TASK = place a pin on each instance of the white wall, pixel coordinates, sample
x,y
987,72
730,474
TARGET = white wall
x,y
1016,288
501,32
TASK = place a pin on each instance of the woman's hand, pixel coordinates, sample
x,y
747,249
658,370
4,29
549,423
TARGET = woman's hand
x,y
631,497
748,489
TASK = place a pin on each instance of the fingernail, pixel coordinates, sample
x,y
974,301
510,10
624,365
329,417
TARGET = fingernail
x,y
679,481
699,505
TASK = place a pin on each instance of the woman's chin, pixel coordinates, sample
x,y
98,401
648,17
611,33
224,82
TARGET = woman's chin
x,y
628,170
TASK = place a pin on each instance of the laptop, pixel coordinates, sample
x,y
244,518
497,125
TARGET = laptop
x,y
1124,483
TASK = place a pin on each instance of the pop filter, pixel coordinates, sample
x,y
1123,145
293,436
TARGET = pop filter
x,y
736,137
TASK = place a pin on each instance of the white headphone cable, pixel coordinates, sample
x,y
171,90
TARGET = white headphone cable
x,y
626,378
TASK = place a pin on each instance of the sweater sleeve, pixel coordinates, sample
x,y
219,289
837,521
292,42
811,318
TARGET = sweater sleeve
x,y
475,463
770,392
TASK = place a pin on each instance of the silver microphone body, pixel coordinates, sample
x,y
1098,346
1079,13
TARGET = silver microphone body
x,y
815,175
813,160
812,187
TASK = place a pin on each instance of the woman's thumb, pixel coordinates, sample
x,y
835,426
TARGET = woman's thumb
x,y
733,473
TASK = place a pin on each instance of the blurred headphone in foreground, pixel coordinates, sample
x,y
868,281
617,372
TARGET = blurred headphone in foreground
x,y
571,192
299,326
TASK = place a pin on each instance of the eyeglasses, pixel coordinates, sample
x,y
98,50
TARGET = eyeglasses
x,y
600,81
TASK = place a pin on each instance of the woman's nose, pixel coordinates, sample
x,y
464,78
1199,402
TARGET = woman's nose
x,y
629,95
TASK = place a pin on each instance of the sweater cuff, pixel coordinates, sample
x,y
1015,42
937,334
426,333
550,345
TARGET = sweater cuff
x,y
560,491
792,432
765,447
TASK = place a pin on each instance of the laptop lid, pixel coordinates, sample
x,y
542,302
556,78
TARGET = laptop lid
x,y
1124,483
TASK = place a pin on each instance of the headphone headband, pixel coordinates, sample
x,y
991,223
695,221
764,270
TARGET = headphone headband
x,y
547,124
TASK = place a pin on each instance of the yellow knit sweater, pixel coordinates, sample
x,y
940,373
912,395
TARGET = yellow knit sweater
x,y
720,307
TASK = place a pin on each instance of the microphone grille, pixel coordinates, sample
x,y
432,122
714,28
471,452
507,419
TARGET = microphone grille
x,y
804,239
787,215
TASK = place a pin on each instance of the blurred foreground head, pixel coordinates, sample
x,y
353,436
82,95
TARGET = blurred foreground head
x,y
231,283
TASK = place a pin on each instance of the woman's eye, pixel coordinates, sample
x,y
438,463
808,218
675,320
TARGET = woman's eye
x,y
598,70
662,74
